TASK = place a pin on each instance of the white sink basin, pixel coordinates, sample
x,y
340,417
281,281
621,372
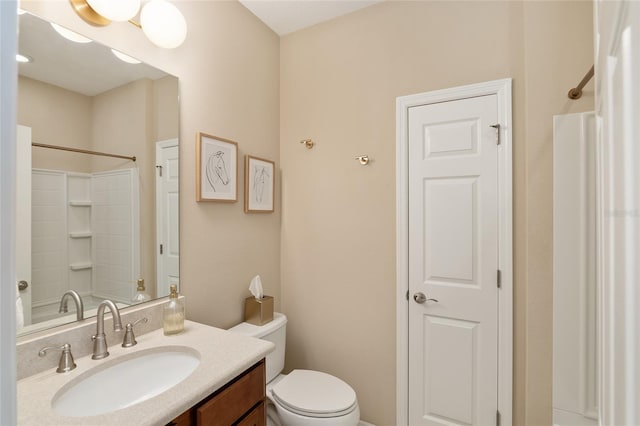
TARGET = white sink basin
x,y
125,381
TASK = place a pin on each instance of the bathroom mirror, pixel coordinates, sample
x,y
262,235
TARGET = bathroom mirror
x,y
98,223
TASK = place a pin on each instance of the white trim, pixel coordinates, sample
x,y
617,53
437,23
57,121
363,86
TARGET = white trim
x,y
502,89
8,96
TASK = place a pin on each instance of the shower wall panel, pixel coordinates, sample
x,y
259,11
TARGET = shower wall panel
x,y
48,241
115,220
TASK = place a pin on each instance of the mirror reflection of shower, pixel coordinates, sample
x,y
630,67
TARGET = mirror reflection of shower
x,y
85,238
81,239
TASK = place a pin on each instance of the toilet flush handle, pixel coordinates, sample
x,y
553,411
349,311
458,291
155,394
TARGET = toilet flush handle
x,y
419,297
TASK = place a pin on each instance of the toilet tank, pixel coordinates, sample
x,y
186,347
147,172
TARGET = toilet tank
x,y
274,331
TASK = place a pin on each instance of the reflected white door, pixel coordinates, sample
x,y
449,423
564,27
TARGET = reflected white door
x,y
167,216
453,258
23,217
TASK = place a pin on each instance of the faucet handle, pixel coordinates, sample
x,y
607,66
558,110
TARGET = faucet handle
x,y
129,338
66,362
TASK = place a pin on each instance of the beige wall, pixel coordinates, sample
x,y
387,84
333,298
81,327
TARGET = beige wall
x,y
339,82
56,117
166,109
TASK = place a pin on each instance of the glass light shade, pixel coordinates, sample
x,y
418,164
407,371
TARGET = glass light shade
x,y
70,35
124,58
163,24
115,10
24,59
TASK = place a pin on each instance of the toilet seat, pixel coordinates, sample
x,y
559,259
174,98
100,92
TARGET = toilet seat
x,y
314,394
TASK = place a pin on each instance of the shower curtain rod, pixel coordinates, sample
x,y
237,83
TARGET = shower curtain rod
x,y
576,92
83,151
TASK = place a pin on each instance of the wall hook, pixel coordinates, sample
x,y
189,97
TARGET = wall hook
x,y
363,159
307,142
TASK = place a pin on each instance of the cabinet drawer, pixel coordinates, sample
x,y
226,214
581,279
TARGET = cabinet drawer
x,y
183,419
257,417
234,400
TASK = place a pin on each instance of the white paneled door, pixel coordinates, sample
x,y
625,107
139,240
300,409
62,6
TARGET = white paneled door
x,y
453,262
167,220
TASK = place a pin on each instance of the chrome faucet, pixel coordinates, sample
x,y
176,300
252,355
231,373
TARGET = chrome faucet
x,y
76,299
66,362
100,340
130,338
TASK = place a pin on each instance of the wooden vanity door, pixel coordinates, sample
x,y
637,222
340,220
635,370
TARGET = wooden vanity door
x,y
240,402
235,400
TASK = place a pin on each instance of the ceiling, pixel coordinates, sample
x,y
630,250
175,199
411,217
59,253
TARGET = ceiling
x,y
89,68
287,16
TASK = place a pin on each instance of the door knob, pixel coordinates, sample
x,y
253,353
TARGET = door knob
x,y
419,297
22,285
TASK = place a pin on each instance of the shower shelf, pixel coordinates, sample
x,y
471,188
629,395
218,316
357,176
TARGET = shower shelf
x,y
80,266
77,203
79,235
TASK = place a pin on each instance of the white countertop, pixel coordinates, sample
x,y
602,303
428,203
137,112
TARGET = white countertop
x,y
223,356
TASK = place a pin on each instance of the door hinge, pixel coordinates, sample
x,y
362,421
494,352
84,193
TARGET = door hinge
x,y
497,127
407,295
499,278
159,170
497,418
161,249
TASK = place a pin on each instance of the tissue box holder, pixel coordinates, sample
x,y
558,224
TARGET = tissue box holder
x,y
258,312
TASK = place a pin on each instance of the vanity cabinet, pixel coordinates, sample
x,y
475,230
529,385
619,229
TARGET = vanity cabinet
x,y
240,402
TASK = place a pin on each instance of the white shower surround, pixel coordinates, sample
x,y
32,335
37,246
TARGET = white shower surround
x,y
115,218
575,384
49,278
86,236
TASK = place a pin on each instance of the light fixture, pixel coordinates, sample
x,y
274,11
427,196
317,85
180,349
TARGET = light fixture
x,y
115,10
161,21
125,58
163,24
70,35
23,59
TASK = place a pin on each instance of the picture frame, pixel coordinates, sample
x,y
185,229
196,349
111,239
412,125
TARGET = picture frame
x,y
216,169
259,185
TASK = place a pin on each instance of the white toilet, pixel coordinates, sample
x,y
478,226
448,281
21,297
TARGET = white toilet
x,y
302,397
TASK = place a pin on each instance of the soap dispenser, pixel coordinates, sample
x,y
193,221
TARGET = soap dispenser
x,y
141,295
173,314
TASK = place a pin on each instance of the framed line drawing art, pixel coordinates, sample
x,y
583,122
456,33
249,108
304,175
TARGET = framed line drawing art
x,y
216,169
258,185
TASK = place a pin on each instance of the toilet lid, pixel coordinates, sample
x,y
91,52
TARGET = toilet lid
x,y
314,394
